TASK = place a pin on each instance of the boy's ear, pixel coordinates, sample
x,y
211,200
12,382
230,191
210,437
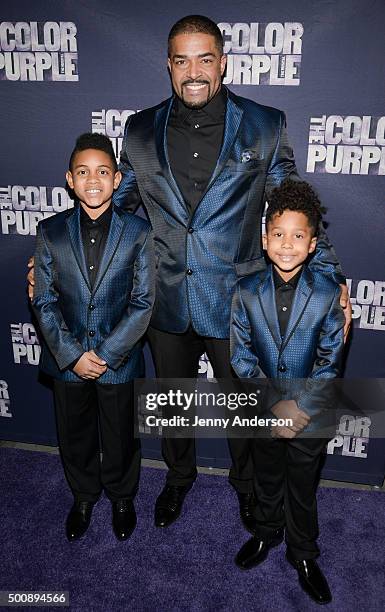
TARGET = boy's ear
x,y
117,179
313,244
69,179
264,241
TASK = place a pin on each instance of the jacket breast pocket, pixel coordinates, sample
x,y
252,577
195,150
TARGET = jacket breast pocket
x,y
253,165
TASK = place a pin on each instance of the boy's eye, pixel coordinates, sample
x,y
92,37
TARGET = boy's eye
x,y
103,172
277,234
299,235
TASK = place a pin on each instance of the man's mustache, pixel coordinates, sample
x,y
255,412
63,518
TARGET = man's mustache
x,y
190,82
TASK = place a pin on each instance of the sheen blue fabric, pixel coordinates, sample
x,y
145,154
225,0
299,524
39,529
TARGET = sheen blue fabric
x,y
121,299
221,240
311,349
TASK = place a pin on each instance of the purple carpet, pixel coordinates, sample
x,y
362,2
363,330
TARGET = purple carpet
x,y
188,566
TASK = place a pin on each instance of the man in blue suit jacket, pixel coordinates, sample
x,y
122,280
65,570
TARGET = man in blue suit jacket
x,y
287,325
93,298
201,162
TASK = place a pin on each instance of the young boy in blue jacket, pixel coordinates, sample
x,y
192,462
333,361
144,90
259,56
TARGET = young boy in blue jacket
x,y
94,291
287,325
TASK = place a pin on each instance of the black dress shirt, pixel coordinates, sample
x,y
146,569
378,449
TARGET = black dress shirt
x,y
194,140
94,236
284,294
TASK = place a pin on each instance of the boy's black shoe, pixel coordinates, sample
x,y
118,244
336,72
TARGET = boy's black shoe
x,y
255,550
123,518
169,504
247,505
311,579
78,520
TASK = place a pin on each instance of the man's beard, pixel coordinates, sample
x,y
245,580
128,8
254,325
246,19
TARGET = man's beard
x,y
197,103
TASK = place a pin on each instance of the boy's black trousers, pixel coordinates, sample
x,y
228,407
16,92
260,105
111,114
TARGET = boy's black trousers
x,y
93,417
286,480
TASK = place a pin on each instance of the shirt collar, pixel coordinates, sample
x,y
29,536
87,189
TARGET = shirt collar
x,y
215,109
102,221
279,282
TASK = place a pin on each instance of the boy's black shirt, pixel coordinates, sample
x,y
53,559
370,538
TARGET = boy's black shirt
x,y
284,294
94,237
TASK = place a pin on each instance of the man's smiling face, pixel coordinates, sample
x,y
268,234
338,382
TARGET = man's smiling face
x,y
196,67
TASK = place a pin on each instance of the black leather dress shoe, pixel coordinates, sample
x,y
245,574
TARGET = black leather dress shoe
x,y
78,520
169,504
311,579
247,505
123,518
255,550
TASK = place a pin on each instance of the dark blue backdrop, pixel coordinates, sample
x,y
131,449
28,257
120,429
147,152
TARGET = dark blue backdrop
x,y
71,67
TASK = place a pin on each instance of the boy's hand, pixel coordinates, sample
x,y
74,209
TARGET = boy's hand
x,y
288,409
90,366
282,432
31,277
347,308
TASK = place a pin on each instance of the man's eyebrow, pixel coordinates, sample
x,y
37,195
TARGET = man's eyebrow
x,y
85,166
179,56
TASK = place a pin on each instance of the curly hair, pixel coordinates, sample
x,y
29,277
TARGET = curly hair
x,y
298,196
196,24
93,141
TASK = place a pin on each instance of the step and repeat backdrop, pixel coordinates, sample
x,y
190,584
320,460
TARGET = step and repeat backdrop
x,y
70,67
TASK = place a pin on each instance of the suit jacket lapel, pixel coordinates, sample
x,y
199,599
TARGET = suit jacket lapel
x,y
73,225
301,298
232,122
113,239
161,119
266,297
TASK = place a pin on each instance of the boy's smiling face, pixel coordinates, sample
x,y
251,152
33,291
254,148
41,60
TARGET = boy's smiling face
x,y
93,179
288,242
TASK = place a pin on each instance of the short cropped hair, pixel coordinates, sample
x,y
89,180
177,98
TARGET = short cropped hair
x,y
298,196
94,141
196,24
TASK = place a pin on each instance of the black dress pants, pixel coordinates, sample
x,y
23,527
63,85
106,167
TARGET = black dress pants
x,y
93,417
177,356
286,484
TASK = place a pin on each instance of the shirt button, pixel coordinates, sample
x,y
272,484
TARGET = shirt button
x,y
91,333
284,308
196,126
91,267
91,306
282,368
190,230
92,240
189,271
196,154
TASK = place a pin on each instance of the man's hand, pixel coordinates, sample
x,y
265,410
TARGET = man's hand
x,y
90,366
31,277
347,308
288,409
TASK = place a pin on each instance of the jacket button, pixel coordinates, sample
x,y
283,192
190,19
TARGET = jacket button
x,y
189,271
91,306
281,369
190,230
91,333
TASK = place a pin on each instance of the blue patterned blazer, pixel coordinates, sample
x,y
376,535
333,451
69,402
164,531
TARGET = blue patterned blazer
x,y
200,256
111,317
308,356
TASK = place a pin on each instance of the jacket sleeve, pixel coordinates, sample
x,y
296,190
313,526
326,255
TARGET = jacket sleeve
x,y
243,358
127,195
116,347
317,392
63,345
